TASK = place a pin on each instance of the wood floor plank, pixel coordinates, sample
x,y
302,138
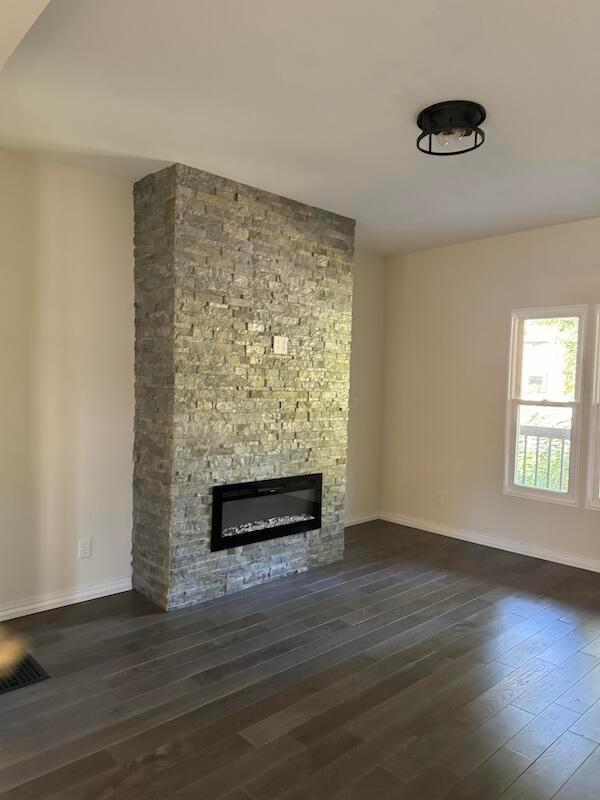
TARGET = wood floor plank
x,y
474,749
543,779
360,761
432,699
578,639
241,771
60,780
583,694
506,691
448,769
556,683
542,731
295,770
588,724
584,784
536,644
492,777
428,748
378,783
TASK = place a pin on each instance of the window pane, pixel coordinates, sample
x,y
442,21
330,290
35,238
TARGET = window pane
x,y
543,447
549,365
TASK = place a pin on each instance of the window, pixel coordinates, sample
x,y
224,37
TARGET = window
x,y
543,418
593,495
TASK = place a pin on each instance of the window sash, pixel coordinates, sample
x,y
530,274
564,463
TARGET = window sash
x,y
511,486
515,400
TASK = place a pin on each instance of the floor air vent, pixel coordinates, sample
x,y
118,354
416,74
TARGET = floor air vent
x,y
28,672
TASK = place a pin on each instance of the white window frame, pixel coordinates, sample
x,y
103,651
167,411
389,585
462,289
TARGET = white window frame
x,y
570,498
593,482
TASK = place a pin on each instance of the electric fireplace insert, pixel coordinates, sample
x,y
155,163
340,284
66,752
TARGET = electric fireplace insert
x,y
253,512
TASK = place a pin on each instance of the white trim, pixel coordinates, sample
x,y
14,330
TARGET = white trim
x,y
514,400
501,543
45,602
349,521
592,499
548,312
546,495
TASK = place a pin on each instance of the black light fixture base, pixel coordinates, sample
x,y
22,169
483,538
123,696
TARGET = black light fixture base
x,y
446,118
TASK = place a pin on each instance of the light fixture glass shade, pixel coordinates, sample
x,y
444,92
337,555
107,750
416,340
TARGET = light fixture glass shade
x,y
451,127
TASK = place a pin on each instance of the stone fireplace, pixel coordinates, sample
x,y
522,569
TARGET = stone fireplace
x,y
223,272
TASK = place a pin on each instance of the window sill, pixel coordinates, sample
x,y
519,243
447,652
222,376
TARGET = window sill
x,y
544,495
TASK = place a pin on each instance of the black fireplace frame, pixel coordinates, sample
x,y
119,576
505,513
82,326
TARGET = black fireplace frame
x,y
235,491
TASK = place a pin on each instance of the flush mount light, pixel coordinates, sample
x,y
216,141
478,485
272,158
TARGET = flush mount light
x,y
451,128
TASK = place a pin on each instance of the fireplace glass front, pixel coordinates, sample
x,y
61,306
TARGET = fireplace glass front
x,y
259,510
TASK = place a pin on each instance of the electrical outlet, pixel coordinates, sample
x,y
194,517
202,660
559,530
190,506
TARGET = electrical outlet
x,y
438,498
85,548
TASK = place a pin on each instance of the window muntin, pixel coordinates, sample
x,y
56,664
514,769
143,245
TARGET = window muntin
x,y
542,439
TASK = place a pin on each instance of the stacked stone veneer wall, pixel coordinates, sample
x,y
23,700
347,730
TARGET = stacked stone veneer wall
x,y
220,268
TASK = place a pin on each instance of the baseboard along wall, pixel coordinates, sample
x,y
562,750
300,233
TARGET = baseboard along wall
x,y
500,543
46,602
349,521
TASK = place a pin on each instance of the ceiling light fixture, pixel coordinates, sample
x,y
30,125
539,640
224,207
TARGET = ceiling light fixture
x,y
447,128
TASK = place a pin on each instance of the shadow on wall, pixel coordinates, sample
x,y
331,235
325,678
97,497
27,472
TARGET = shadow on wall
x,y
98,162
66,416
19,480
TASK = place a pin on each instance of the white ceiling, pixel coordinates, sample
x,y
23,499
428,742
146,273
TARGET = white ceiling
x,y
317,99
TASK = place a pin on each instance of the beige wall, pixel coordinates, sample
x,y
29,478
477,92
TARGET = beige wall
x,y
66,406
17,18
366,376
447,341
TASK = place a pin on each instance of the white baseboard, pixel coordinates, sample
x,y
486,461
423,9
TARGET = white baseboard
x,y
45,602
359,520
513,546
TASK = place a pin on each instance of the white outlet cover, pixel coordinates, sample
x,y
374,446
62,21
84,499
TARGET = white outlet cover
x,y
280,345
85,548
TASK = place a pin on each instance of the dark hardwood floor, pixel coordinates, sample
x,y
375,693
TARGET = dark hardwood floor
x,y
421,667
